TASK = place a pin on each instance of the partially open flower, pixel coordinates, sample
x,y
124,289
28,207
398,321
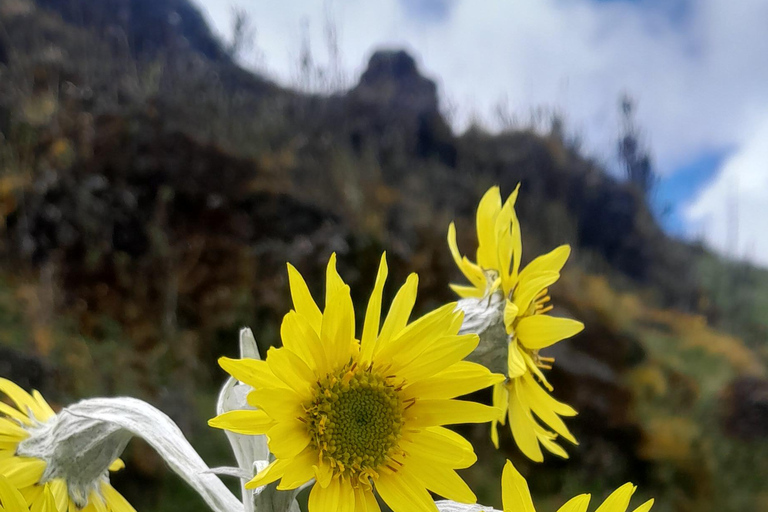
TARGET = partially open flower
x,y
516,497
368,413
507,306
72,452
32,454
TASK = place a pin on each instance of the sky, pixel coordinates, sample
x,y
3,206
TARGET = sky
x,y
697,70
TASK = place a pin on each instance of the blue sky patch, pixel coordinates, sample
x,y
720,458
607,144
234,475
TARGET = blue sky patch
x,y
682,186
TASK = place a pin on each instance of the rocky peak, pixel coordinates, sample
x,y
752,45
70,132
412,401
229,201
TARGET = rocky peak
x,y
392,79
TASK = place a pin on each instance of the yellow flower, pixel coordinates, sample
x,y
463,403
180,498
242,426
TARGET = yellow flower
x,y
358,415
31,475
516,497
11,500
529,328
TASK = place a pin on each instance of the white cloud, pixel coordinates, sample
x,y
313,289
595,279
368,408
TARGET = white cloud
x,y
731,213
699,77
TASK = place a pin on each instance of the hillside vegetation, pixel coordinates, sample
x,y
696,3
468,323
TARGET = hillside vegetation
x,y
151,192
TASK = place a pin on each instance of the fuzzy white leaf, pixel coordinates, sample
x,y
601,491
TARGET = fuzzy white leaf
x,y
248,450
452,506
485,316
142,420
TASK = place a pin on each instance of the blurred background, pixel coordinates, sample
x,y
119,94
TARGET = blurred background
x,y
161,160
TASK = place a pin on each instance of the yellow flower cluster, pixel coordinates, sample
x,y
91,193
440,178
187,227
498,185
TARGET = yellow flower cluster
x,y
356,413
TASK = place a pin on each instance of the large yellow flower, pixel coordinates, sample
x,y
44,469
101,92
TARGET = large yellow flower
x,y
516,497
358,415
32,475
529,328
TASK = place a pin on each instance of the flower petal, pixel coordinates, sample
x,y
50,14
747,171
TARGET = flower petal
x,y
372,320
287,439
303,302
404,493
576,504
292,370
618,501
299,470
441,446
243,422
428,413
254,372
540,331
459,379
300,338
515,495
441,480
399,311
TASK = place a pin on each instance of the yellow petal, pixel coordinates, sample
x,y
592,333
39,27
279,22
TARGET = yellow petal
x,y
533,397
299,470
269,474
11,431
515,360
419,335
365,501
45,503
60,494
459,379
541,331
495,434
467,291
501,400
279,403
517,244
243,422
292,370
510,315
485,223
116,465
23,400
338,329
471,271
10,497
553,261
576,504
399,311
300,338
115,501
14,413
403,493
22,471
303,302
373,313
443,353
515,496
428,413
287,439
441,480
645,507
525,293
337,495
333,281
522,425
441,446
535,392
618,501
254,372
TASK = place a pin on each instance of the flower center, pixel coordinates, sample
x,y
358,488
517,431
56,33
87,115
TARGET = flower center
x,y
355,421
